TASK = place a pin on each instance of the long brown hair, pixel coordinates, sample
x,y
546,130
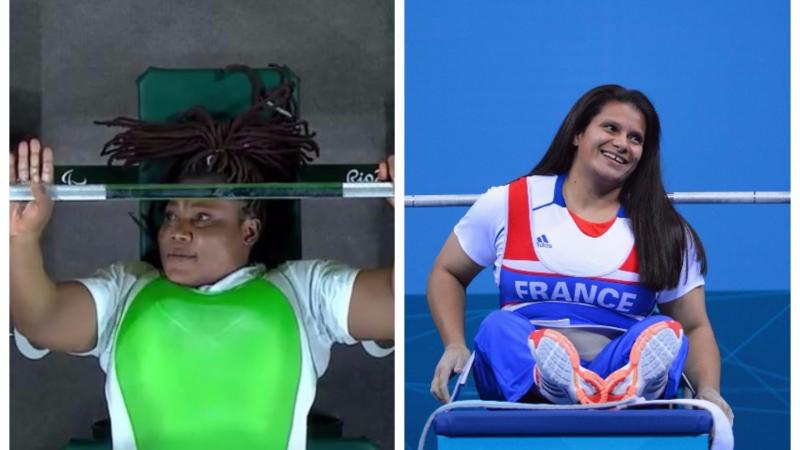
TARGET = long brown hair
x,y
662,235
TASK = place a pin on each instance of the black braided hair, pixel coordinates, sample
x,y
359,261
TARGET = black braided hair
x,y
267,137
266,143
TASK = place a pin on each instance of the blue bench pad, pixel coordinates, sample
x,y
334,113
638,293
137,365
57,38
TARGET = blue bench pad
x,y
482,422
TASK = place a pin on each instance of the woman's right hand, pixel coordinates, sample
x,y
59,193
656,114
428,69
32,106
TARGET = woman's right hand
x,y
31,164
385,172
452,361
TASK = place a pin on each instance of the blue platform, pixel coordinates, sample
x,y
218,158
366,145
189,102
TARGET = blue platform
x,y
480,422
576,443
625,429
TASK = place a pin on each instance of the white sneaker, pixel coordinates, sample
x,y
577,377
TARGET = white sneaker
x,y
647,372
558,373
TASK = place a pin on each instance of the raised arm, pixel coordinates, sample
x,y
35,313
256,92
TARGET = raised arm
x,y
452,272
53,316
703,362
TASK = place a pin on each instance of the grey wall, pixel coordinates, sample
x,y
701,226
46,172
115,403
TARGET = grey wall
x,y
75,61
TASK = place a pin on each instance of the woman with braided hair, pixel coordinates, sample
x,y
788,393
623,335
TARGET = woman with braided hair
x,y
264,144
207,348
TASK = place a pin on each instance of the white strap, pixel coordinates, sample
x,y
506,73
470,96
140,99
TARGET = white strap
x,y
462,379
375,350
723,431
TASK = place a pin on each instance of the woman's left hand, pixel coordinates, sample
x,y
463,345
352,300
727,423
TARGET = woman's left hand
x,y
385,172
713,396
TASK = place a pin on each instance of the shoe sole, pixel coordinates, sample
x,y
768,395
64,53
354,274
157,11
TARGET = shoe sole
x,y
652,355
562,366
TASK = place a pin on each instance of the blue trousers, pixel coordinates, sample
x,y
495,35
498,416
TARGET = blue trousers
x,y
503,366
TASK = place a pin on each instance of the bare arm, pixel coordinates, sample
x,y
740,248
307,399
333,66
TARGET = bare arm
x,y
54,316
452,272
371,313
59,316
703,362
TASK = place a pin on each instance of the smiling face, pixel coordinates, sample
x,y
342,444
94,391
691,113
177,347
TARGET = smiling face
x,y
610,147
202,241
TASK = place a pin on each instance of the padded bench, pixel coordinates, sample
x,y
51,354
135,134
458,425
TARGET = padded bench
x,y
651,429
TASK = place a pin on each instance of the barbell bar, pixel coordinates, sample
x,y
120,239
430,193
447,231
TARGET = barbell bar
x,y
102,192
416,201
277,191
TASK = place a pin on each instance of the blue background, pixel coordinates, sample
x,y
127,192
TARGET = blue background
x,y
487,85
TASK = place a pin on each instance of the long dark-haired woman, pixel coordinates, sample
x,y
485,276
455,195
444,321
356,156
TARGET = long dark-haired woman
x,y
583,249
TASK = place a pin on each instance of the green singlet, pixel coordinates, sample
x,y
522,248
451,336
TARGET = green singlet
x,y
209,370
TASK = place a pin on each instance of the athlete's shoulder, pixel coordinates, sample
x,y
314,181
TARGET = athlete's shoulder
x,y
542,178
499,193
494,198
307,270
122,273
539,190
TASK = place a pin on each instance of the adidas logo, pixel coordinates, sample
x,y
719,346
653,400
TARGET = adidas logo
x,y
542,241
